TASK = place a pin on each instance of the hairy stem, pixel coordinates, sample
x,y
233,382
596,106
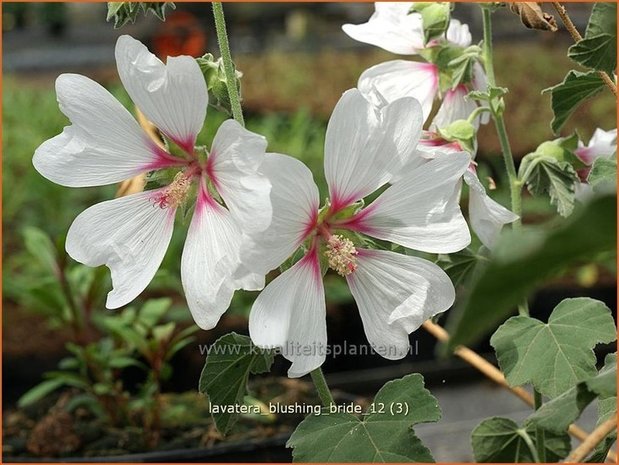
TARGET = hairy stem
x,y
321,387
571,28
224,49
539,433
515,185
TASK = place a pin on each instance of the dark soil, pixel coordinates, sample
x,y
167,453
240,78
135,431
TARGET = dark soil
x,y
48,430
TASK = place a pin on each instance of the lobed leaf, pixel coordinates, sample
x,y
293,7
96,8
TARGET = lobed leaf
x,y
557,414
378,437
566,96
554,356
502,440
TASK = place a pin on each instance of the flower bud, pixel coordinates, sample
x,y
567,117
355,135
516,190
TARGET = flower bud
x,y
216,82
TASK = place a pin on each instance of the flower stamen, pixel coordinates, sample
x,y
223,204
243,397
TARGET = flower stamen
x,y
174,194
341,255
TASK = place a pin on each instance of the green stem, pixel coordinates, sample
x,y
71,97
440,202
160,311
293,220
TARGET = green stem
x,y
224,49
321,387
515,185
539,433
527,439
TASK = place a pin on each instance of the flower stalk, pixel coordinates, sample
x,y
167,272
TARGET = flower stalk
x,y
515,185
224,49
322,388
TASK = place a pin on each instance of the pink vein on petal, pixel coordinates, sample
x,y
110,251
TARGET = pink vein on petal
x,y
162,159
311,260
358,222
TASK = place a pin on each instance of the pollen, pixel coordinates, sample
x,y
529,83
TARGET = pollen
x,y
341,255
174,194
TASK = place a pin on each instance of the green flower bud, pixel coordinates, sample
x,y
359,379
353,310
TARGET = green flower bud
x,y
216,82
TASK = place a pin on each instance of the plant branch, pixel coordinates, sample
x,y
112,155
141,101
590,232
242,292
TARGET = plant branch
x,y
591,441
571,28
224,49
493,373
322,388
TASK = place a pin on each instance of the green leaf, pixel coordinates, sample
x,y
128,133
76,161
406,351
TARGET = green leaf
x,y
545,174
502,440
603,19
39,392
599,52
459,266
569,94
603,174
125,12
224,377
41,248
555,356
513,272
557,414
153,310
385,434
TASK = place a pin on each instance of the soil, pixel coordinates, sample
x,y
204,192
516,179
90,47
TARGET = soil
x,y
47,429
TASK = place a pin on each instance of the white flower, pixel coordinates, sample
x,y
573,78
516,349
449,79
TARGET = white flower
x,y
364,149
603,144
392,28
487,217
130,235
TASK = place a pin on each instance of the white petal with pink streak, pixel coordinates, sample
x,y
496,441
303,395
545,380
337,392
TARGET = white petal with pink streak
x,y
129,235
290,314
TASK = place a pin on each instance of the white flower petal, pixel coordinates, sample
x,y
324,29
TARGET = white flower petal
x,y
395,294
454,107
365,146
395,79
390,28
295,201
210,257
458,33
602,144
104,145
172,96
421,210
290,314
236,155
487,216
129,235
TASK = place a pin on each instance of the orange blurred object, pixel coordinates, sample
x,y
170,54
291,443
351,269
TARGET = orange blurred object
x,y
181,34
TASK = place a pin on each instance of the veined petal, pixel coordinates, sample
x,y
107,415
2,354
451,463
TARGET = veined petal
x,y
295,201
455,107
421,210
172,96
290,314
395,294
487,216
458,33
104,144
129,235
236,155
366,146
390,28
210,257
395,79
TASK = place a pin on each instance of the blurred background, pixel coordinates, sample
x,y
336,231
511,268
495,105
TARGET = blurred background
x,y
296,62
